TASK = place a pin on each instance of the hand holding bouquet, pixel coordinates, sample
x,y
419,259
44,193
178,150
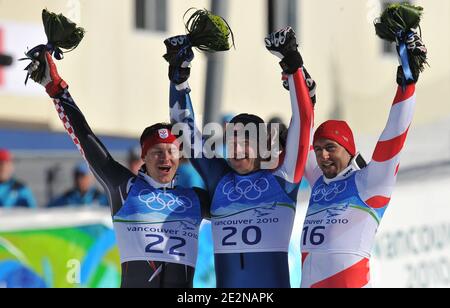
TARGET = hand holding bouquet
x,y
61,34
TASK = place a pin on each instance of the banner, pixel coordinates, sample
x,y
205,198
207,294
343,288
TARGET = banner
x,y
73,248
412,248
63,248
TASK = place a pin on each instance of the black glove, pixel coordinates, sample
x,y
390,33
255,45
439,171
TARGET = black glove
x,y
415,44
401,79
283,44
43,70
179,56
416,50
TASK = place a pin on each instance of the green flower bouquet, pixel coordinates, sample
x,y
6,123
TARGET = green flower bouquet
x,y
397,24
208,32
61,34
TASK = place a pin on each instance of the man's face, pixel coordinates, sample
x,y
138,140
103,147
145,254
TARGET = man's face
x,y
83,182
162,162
6,170
331,157
244,159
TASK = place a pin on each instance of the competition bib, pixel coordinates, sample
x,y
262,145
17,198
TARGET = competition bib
x,y
338,220
167,242
251,214
158,225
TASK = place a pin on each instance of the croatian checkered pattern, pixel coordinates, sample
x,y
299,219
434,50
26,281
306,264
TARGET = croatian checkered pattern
x,y
65,120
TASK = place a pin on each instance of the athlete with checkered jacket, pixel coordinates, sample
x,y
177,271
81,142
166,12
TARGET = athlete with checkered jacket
x,y
252,209
156,223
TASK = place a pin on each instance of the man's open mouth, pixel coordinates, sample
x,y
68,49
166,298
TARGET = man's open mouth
x,y
327,164
241,156
165,169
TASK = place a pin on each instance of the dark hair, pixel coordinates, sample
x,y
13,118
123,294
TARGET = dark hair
x,y
276,119
246,118
153,129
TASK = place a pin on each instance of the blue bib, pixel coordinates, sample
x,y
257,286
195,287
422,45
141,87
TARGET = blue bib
x,y
158,225
338,220
251,213
343,193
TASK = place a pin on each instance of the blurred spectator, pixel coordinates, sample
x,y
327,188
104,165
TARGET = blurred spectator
x,y
282,132
83,193
52,180
12,192
134,160
280,136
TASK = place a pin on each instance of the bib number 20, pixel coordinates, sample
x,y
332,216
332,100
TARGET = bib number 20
x,y
250,235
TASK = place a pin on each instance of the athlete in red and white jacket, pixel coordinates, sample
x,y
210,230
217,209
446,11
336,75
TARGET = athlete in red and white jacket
x,y
348,197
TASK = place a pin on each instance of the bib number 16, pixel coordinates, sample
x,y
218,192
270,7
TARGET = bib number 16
x,y
315,235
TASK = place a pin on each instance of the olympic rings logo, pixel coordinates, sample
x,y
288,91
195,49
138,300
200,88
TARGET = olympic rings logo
x,y
328,193
245,189
160,201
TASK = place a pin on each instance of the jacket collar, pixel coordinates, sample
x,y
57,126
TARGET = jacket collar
x,y
152,182
347,172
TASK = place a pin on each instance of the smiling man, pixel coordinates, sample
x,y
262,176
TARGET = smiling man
x,y
334,147
156,223
349,197
252,208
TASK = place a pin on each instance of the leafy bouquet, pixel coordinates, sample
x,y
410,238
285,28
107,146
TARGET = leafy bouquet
x,y
61,34
397,24
208,32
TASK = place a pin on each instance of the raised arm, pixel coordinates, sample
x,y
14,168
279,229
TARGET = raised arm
x,y
110,173
377,180
299,133
182,112
179,55
283,44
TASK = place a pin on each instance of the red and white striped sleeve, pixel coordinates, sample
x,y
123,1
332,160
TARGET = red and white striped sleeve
x,y
299,133
376,182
